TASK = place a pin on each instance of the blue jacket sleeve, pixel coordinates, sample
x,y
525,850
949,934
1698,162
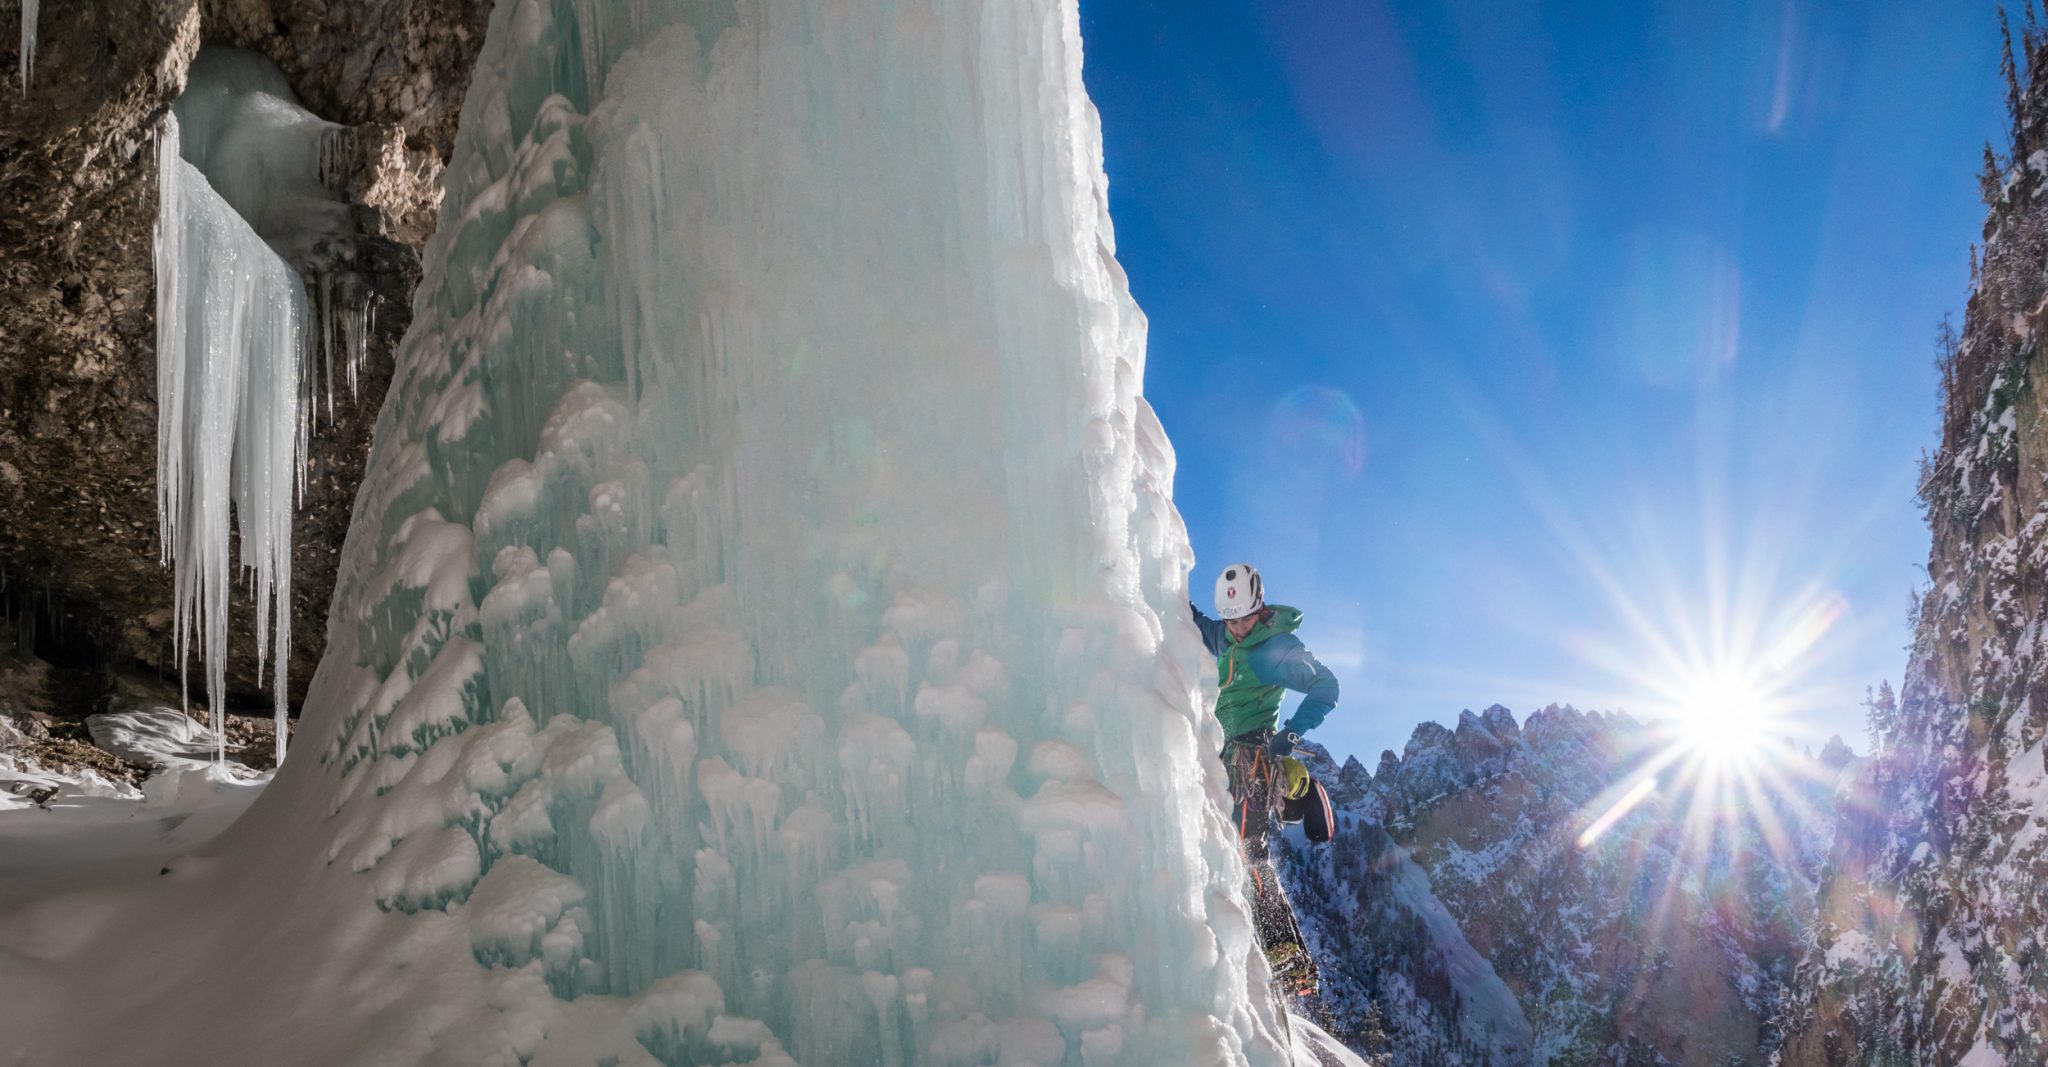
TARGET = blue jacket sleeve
x,y
1288,662
1213,633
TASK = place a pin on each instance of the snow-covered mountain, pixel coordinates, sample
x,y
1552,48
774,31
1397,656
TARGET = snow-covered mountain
x,y
1458,906
1928,948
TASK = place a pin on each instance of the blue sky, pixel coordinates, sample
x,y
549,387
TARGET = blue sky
x,y
1553,351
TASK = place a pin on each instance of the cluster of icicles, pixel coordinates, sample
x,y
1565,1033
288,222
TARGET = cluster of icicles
x,y
243,360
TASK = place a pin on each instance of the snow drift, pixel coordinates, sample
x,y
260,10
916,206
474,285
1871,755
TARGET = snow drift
x,y
761,634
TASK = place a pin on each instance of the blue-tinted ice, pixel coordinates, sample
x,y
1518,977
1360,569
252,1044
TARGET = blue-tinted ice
x,y
763,625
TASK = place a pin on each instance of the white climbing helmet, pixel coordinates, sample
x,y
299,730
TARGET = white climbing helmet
x,y
1239,591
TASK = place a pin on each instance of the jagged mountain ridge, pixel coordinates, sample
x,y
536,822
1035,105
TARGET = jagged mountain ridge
x,y
1457,906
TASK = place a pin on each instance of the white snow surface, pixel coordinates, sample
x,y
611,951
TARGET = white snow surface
x,y
96,831
83,845
762,634
1315,1048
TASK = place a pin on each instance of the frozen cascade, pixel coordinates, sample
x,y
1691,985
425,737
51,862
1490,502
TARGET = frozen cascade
x,y
243,187
761,635
279,166
267,156
231,324
29,14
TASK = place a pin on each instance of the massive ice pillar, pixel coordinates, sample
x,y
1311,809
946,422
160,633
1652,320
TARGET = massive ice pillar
x,y
763,629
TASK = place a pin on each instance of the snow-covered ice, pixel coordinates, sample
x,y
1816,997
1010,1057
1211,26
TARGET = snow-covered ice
x,y
762,633
264,154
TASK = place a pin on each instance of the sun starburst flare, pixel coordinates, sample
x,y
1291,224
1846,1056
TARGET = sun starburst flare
x,y
1723,709
1725,641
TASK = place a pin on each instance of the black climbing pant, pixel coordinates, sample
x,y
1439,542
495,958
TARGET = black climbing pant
x,y
1253,775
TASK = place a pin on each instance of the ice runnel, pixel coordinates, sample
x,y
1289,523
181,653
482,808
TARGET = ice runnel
x,y
762,631
231,327
29,14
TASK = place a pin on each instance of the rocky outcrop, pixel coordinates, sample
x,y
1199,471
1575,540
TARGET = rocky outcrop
x,y
1929,945
1459,908
77,315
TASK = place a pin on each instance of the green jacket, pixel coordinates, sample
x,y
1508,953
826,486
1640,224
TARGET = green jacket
x,y
1253,673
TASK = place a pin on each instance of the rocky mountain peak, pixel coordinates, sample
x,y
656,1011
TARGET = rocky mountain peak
x,y
1646,945
1501,723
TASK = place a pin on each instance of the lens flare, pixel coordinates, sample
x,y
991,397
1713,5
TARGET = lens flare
x,y
1321,426
1615,811
1723,640
1807,628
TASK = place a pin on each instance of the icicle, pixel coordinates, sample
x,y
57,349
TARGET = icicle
x,y
28,39
327,339
356,325
231,334
339,331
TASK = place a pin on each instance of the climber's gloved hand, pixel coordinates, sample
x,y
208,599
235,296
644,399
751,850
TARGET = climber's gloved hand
x,y
1283,743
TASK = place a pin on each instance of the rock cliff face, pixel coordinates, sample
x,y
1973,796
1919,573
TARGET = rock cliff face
x,y
1459,900
79,550
1929,946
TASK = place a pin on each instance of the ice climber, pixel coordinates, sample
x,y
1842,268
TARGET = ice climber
x,y
1257,657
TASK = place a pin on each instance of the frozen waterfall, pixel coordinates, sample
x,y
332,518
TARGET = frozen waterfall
x,y
242,185
231,323
761,636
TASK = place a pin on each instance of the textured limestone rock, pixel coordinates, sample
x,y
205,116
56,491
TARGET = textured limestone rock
x,y
77,295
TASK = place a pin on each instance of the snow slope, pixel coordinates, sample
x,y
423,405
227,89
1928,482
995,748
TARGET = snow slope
x,y
1388,945
1315,1048
95,832
762,633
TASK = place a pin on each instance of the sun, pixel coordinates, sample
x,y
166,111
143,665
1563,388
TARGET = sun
x,y
1726,715
1719,748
